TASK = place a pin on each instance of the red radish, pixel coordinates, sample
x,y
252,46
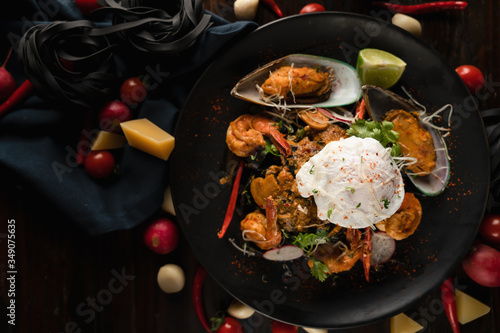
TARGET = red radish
x,y
87,6
383,246
16,96
482,264
112,114
7,82
280,327
162,236
284,253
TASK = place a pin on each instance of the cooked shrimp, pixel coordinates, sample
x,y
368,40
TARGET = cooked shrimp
x,y
242,139
244,135
262,229
337,256
268,127
406,219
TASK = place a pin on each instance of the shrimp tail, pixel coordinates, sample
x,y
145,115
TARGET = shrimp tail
x,y
273,234
281,144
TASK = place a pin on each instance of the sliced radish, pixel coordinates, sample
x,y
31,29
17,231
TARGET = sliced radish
x,y
284,253
383,246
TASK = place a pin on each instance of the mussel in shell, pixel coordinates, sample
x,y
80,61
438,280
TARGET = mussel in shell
x,y
300,81
431,171
297,85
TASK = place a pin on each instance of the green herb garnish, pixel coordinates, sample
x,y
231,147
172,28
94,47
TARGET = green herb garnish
x,y
382,132
386,203
319,270
309,241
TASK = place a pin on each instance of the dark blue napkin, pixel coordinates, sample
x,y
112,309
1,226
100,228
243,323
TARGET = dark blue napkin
x,y
38,140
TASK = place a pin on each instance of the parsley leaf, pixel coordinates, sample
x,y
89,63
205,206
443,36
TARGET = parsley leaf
x,y
308,241
319,270
382,132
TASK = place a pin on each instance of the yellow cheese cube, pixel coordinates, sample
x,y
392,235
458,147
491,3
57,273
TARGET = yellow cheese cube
x,y
401,323
469,308
146,136
168,204
107,140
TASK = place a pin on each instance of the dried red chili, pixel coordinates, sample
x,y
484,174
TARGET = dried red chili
x,y
425,8
19,95
448,299
199,279
232,201
272,5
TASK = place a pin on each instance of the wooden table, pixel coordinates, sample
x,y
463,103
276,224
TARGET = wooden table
x,y
67,281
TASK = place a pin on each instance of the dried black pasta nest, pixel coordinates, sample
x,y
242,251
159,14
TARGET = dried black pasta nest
x,y
74,61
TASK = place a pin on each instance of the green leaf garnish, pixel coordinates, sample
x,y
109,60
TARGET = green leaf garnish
x,y
319,270
386,203
382,132
309,241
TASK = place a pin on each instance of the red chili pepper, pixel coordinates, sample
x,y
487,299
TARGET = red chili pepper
x,y
232,201
272,5
199,279
448,299
19,95
360,110
367,253
425,8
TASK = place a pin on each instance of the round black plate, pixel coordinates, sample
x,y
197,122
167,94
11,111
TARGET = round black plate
x,y
289,293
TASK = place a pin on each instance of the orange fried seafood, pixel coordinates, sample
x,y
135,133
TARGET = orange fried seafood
x,y
339,257
262,229
415,141
405,221
302,85
244,135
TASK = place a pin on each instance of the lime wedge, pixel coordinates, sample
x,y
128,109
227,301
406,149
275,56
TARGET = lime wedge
x,y
379,68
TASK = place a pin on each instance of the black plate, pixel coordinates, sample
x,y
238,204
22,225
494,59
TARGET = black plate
x,y
289,293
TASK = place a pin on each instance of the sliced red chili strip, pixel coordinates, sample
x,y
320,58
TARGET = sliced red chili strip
x,y
232,201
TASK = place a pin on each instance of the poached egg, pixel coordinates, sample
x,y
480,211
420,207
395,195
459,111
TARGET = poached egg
x,y
354,181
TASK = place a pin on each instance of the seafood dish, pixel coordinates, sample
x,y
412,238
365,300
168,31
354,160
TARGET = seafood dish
x,y
328,181
299,81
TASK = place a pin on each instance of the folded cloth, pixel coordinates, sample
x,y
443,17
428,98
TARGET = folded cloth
x,y
39,138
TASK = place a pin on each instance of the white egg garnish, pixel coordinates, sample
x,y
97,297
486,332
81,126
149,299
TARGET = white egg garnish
x,y
354,181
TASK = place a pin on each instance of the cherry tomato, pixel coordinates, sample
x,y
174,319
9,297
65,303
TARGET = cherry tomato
x,y
230,325
490,228
87,6
311,8
133,91
472,77
99,163
280,327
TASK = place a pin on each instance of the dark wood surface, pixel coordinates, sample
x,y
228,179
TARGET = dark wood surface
x,y
68,281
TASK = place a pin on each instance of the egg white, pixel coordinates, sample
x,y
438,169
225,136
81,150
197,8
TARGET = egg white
x,y
354,181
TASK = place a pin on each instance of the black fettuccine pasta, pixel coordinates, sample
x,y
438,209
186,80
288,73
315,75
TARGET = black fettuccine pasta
x,y
62,61
74,61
